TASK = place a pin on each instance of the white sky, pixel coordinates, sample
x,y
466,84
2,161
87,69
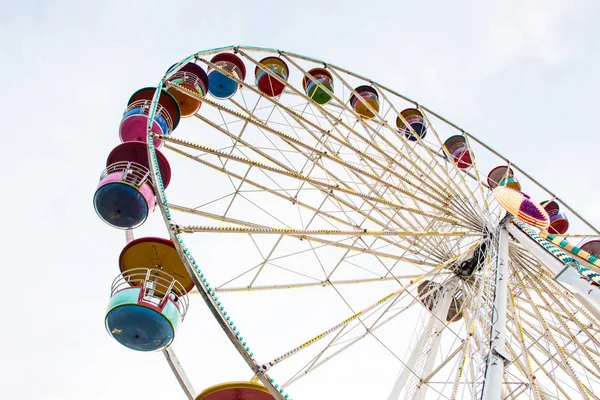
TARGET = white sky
x,y
519,74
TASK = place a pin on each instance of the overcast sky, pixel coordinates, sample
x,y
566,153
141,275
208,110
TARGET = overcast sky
x,y
519,74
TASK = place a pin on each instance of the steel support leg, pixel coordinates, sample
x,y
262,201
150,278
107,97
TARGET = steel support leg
x,y
497,354
422,358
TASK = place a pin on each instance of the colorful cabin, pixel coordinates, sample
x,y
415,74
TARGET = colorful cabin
x,y
559,224
267,84
220,85
415,120
236,391
431,292
592,247
315,92
125,195
457,147
193,78
369,96
149,298
503,176
135,118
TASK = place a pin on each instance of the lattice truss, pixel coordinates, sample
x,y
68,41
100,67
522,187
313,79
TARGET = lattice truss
x,y
343,239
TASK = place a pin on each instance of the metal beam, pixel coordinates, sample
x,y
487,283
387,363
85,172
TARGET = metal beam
x,y
422,358
497,354
179,373
584,290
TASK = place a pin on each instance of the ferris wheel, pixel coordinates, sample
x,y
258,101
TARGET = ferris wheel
x,y
350,242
